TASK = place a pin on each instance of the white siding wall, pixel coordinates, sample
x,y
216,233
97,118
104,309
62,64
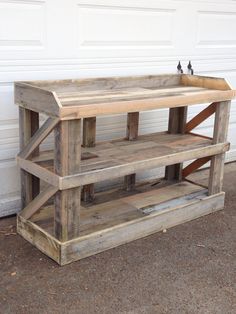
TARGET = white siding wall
x,y
49,39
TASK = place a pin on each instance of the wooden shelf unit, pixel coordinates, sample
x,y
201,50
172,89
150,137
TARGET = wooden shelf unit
x,y
67,220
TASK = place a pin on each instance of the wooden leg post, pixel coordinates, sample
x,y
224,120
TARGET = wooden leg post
x,y
67,161
89,140
131,134
177,122
28,125
220,136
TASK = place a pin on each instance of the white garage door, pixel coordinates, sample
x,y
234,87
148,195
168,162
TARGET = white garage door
x,y
49,39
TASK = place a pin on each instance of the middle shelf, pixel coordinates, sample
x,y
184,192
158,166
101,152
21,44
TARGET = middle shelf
x,y
117,158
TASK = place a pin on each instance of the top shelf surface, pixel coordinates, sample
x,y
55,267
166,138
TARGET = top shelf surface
x,y
72,99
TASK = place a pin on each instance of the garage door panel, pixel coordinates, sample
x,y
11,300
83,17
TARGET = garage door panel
x,y
22,28
125,29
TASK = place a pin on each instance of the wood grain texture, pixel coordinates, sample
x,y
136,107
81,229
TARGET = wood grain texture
x,y
39,238
131,135
89,140
39,171
75,99
202,116
119,170
34,129
124,105
36,99
109,211
132,230
67,162
108,83
28,125
220,136
38,202
38,137
133,217
196,164
205,82
176,125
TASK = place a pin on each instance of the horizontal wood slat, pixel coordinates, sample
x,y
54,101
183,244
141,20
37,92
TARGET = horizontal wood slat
x,y
117,171
74,99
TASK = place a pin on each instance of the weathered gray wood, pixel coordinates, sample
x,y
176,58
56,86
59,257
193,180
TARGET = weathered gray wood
x,y
38,137
131,135
34,129
109,238
125,169
177,122
220,136
28,125
41,172
37,99
89,139
106,83
132,217
38,202
39,238
75,99
67,162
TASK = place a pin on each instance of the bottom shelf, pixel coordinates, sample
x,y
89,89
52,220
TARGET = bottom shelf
x,y
127,218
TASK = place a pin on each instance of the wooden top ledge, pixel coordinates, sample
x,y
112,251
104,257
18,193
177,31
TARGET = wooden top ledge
x,y
75,99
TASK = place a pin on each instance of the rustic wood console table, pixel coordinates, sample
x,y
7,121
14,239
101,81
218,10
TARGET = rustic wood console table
x,y
66,220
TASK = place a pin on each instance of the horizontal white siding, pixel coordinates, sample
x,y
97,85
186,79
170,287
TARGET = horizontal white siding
x,y
70,39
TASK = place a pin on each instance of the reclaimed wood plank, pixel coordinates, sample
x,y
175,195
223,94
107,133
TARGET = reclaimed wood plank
x,y
34,129
132,230
67,161
37,236
139,165
28,124
39,171
176,125
205,81
220,136
196,164
131,135
38,137
38,202
123,105
89,139
128,93
91,84
200,117
36,99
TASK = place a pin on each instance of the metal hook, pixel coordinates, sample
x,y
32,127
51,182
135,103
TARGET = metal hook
x,y
190,68
179,68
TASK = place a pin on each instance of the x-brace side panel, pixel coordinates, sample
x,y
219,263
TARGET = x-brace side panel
x,y
38,137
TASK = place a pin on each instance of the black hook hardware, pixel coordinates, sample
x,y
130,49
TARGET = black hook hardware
x,y
179,68
190,68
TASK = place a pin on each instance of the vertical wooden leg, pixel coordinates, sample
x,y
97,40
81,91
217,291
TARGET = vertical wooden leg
x,y
131,135
177,122
89,139
28,125
220,136
34,128
67,161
